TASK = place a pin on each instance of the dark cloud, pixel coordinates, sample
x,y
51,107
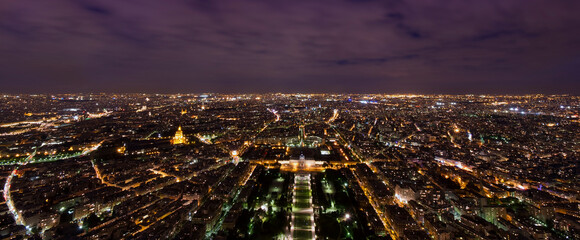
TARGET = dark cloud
x,y
411,32
503,33
96,9
396,16
453,46
374,60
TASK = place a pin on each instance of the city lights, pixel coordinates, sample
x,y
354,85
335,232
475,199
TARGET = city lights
x,y
317,162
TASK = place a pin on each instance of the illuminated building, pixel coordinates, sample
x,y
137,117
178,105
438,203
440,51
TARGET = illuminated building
x,y
179,138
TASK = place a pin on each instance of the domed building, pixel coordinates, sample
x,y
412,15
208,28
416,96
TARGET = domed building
x,y
178,138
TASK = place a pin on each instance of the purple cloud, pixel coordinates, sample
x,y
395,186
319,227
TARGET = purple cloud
x,y
429,46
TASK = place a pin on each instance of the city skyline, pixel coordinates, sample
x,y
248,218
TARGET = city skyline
x,y
290,120
289,166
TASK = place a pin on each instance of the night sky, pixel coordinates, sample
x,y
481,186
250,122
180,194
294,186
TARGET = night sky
x,y
243,46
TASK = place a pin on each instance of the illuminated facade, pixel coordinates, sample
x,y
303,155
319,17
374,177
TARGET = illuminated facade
x,y
179,138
